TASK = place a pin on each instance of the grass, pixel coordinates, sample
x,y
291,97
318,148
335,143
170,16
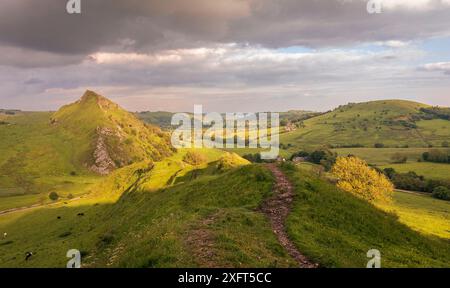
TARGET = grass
x,y
382,159
421,212
383,156
150,229
336,229
436,171
369,123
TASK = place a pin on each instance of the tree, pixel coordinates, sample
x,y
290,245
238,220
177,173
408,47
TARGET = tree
x,y
435,155
325,157
53,196
356,177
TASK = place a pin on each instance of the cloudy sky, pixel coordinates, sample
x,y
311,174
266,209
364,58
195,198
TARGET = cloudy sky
x,y
229,55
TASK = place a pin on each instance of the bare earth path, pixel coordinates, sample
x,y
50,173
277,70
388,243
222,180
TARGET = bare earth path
x,y
34,206
277,209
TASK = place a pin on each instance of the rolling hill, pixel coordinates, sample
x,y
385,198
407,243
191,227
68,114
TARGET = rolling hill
x,y
392,123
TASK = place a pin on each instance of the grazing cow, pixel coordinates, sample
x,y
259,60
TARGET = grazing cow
x,y
59,217
28,255
80,214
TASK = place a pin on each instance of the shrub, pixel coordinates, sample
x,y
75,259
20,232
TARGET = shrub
x,y
435,155
441,193
356,177
255,158
325,157
379,145
53,196
399,158
194,158
302,154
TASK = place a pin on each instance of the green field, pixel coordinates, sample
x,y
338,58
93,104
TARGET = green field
x,y
421,212
382,158
435,171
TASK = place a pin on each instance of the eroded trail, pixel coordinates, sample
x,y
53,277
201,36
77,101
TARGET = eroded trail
x,y
277,209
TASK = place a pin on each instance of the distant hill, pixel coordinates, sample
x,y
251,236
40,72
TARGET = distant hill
x,y
160,118
163,119
389,123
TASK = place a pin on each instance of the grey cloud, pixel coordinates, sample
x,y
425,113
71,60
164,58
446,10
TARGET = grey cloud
x,y
28,58
135,25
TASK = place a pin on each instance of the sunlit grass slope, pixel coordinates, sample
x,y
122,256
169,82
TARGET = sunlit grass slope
x,y
126,225
336,229
421,212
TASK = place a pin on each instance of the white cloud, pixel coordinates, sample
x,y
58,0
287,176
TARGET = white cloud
x,y
414,5
438,66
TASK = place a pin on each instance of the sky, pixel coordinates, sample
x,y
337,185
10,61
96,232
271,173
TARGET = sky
x,y
227,55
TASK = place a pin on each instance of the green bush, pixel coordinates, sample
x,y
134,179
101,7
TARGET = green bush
x,y
53,196
442,193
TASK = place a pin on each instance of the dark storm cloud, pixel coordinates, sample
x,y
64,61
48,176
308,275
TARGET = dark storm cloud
x,y
138,25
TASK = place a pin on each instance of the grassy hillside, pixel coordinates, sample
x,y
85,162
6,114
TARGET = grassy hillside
x,y
141,216
128,224
62,151
112,137
394,123
35,158
336,229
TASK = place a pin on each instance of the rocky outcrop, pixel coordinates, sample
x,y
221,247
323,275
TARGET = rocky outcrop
x,y
103,164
